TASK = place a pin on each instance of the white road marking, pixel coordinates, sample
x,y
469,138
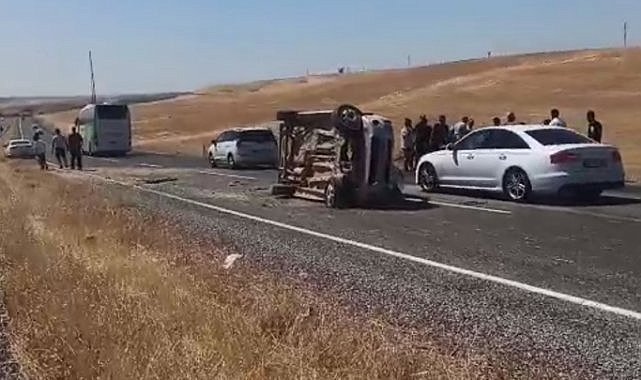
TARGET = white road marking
x,y
149,165
226,175
446,267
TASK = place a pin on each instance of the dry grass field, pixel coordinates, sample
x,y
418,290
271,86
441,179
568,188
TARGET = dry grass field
x,y
92,292
608,81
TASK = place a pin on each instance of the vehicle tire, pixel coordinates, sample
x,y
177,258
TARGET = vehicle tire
x,y
338,194
347,118
427,178
331,195
231,162
212,162
516,185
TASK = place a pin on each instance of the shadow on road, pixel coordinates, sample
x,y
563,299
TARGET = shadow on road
x,y
409,203
604,200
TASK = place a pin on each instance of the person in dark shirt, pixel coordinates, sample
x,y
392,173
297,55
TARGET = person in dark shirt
x,y
75,148
595,129
422,133
440,134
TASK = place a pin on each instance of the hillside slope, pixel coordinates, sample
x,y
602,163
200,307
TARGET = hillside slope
x,y
608,81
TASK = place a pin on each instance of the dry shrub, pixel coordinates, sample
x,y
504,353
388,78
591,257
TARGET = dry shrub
x,y
99,290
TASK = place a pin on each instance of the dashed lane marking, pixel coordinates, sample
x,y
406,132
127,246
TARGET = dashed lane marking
x,y
226,175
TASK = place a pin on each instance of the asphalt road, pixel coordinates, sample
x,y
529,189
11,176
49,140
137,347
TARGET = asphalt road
x,y
546,285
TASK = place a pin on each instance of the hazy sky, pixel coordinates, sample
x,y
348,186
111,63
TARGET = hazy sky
x,y
159,45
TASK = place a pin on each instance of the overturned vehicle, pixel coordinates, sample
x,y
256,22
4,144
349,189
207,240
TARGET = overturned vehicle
x,y
342,157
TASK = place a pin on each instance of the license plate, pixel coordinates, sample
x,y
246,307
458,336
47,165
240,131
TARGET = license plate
x,y
594,163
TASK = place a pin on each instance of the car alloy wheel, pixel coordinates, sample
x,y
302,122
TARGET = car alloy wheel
x,y
427,177
330,195
517,185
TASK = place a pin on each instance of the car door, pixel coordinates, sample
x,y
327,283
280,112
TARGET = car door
x,y
505,149
460,166
219,153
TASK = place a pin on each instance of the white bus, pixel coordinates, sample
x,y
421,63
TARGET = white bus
x,y
105,129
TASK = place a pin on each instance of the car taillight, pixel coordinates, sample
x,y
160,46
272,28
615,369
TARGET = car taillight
x,y
616,156
563,158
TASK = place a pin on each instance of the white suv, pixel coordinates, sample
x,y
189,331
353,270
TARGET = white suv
x,y
248,147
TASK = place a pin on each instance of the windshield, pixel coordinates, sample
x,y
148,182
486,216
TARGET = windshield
x,y
257,136
558,137
113,112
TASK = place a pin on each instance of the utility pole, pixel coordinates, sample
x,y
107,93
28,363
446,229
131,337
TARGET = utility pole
x,y
93,81
625,34
409,60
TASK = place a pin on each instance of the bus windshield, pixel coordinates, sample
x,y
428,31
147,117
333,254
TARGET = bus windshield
x,y
112,112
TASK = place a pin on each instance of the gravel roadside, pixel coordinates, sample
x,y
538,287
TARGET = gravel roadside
x,y
530,334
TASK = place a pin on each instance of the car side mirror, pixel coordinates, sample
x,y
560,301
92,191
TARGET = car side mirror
x,y
449,146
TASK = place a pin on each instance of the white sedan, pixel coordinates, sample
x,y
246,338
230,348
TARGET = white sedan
x,y
20,148
521,160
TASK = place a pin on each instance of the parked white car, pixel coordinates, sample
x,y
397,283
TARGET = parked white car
x,y
19,148
521,160
244,147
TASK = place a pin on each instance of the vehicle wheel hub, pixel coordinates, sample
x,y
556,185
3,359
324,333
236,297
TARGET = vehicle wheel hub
x,y
517,186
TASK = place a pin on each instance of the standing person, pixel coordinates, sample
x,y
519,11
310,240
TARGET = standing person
x,y
440,133
496,121
595,129
460,129
422,133
40,150
510,118
75,148
407,145
470,125
59,148
556,120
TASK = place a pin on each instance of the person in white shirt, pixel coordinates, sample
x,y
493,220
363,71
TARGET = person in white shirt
x,y
59,148
460,129
556,119
40,150
408,138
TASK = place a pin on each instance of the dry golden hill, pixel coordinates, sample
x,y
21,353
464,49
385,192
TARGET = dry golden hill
x,y
608,81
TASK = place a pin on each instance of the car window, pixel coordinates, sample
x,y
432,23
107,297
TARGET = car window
x,y
558,137
504,139
225,136
475,140
257,136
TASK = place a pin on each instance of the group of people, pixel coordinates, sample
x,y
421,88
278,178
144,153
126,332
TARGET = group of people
x,y
423,138
60,145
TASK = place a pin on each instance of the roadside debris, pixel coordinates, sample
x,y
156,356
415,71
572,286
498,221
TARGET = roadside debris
x,y
157,180
230,260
